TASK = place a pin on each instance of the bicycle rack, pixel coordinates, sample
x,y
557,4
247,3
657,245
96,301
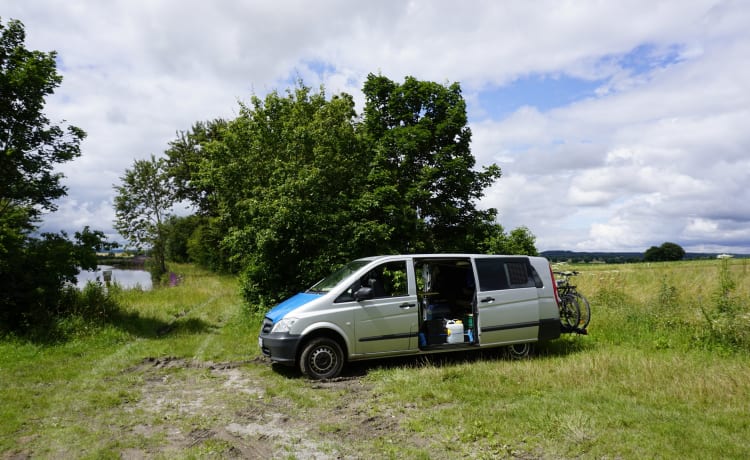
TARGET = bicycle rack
x,y
565,329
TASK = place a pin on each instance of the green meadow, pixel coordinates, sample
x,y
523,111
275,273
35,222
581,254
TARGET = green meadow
x,y
175,373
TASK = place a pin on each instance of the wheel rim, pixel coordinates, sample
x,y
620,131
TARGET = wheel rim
x,y
585,311
570,312
322,360
519,350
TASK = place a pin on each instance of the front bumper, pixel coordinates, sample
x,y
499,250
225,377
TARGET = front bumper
x,y
280,348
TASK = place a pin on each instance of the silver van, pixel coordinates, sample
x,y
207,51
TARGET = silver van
x,y
413,304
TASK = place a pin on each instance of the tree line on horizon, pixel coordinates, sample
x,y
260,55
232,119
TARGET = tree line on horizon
x,y
667,252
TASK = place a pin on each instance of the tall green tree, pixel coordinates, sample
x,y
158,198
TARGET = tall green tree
x,y
519,241
31,145
186,157
178,230
192,160
422,181
143,203
672,251
286,172
33,271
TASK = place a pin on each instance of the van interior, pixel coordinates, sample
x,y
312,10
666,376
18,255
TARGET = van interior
x,y
446,294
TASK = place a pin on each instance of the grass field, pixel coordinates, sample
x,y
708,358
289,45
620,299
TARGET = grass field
x,y
663,373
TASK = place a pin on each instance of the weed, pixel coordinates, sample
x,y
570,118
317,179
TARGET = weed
x,y
724,297
727,325
668,295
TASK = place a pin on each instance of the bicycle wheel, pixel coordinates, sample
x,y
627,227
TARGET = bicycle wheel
x,y
584,311
569,311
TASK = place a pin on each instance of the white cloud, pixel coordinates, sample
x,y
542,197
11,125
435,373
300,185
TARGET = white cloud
x,y
73,216
657,153
656,157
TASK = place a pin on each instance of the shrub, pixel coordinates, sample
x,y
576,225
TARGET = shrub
x,y
728,321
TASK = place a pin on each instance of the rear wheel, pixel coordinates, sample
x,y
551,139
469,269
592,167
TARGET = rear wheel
x,y
569,311
519,350
321,358
584,310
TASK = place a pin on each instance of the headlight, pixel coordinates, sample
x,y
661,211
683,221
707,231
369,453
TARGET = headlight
x,y
283,325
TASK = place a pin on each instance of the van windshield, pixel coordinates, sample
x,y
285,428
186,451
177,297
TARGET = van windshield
x,y
332,280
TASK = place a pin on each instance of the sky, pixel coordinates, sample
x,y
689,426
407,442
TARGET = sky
x,y
618,125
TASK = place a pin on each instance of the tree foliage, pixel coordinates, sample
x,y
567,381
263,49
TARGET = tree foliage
x,y
143,202
666,252
30,144
185,159
285,175
422,181
519,241
178,231
299,183
34,271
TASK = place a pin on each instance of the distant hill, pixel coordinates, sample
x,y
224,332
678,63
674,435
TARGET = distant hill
x,y
603,257
616,257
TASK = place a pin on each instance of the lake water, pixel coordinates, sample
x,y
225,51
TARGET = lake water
x,y
127,279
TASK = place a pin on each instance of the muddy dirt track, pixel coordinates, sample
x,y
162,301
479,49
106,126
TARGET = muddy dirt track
x,y
235,413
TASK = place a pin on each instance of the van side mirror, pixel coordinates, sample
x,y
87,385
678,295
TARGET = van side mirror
x,y
363,293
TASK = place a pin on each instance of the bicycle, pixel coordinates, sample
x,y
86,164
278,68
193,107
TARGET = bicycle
x,y
575,310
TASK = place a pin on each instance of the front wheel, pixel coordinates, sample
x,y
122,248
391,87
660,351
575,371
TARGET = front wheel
x,y
321,358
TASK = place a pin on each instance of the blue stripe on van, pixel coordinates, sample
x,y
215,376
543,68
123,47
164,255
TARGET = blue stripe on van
x,y
278,312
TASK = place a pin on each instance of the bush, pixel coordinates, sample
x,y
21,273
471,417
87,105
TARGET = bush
x,y
728,321
96,302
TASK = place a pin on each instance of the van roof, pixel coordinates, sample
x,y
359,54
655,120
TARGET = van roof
x,y
440,255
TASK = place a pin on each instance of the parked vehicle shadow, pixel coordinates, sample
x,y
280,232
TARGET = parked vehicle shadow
x,y
563,347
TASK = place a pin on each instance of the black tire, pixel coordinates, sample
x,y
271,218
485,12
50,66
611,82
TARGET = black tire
x,y
322,358
584,311
519,350
570,313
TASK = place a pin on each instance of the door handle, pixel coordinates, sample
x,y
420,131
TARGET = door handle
x,y
487,299
407,305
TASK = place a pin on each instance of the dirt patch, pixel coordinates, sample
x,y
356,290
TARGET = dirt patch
x,y
223,408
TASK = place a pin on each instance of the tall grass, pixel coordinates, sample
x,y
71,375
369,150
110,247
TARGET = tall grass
x,y
663,373
698,304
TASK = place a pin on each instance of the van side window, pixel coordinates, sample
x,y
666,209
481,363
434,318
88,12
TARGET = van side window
x,y
395,281
385,280
521,275
496,274
491,275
